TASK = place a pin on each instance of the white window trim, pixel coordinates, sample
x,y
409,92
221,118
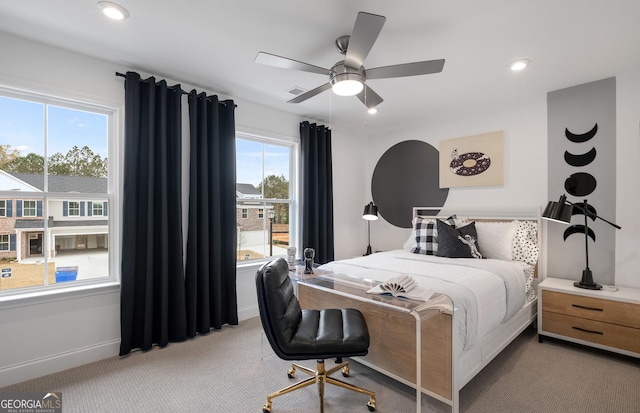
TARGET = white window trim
x,y
115,121
93,206
295,190
35,208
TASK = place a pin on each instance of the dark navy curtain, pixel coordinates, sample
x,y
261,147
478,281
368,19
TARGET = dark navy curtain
x,y
317,190
152,292
211,241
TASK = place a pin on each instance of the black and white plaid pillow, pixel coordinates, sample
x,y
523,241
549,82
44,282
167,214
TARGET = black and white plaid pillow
x,y
427,235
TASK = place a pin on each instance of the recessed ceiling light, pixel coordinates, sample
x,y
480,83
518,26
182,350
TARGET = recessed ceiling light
x,y
519,64
113,11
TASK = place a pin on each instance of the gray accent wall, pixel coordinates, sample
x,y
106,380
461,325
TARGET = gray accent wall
x,y
578,109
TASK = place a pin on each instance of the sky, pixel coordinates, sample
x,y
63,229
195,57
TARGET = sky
x,y
22,127
249,161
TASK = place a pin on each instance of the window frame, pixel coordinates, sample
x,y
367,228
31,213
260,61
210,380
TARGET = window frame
x,y
93,208
3,208
34,208
294,188
113,112
69,208
8,241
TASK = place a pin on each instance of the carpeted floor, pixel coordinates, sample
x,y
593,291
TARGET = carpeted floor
x,y
232,370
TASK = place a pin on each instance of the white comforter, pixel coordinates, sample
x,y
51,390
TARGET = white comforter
x,y
484,292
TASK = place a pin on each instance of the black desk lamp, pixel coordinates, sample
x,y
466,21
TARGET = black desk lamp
x,y
370,214
562,211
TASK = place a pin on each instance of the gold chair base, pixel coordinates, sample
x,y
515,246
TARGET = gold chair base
x,y
320,376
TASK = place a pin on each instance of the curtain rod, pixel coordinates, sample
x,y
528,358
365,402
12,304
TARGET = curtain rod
x,y
183,92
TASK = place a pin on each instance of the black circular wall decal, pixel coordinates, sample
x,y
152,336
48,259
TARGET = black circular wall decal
x,y
580,184
406,176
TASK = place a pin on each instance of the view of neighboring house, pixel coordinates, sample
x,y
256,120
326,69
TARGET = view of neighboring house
x,y
72,224
250,212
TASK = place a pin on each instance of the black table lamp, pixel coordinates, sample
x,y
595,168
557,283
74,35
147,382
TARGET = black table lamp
x,y
370,214
562,211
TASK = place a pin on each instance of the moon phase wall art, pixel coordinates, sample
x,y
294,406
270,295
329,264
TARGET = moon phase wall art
x,y
472,161
582,165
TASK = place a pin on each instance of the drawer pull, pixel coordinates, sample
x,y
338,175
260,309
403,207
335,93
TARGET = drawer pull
x,y
586,308
587,331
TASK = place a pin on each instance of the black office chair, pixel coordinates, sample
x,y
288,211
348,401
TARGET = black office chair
x,y
296,334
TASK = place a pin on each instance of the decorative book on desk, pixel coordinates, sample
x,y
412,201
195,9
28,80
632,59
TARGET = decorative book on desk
x,y
402,286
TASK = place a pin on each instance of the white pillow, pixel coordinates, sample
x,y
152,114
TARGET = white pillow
x,y
525,243
496,239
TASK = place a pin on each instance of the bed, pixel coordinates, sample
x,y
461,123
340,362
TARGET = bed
x,y
492,300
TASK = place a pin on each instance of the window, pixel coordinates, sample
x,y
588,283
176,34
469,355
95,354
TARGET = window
x,y
265,171
97,209
29,208
52,146
74,208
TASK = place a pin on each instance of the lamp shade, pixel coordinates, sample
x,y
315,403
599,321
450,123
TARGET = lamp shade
x,y
370,212
559,211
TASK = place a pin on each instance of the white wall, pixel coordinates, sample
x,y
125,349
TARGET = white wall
x,y
42,336
525,134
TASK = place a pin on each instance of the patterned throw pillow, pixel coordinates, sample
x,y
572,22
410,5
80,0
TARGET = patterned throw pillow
x,y
458,242
427,235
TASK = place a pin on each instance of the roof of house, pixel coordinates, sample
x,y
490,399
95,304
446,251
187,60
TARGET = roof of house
x,y
62,183
247,189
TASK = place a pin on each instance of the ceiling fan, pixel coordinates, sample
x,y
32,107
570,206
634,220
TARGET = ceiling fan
x,y
348,77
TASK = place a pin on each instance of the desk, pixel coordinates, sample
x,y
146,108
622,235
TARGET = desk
x,y
410,340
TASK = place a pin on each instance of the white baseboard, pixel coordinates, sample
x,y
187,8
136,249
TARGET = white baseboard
x,y
32,369
248,312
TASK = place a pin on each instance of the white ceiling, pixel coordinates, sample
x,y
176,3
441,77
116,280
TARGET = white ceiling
x,y
212,44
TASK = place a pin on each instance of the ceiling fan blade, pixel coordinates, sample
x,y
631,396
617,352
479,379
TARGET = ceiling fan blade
x,y
406,69
365,32
311,93
286,63
371,99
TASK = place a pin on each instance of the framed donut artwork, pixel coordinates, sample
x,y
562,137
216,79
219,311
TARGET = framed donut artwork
x,y
472,161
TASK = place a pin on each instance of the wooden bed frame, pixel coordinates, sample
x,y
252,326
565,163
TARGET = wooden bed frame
x,y
392,350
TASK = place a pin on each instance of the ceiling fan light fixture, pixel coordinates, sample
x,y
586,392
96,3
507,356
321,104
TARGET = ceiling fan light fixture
x,y
346,81
113,11
372,111
347,87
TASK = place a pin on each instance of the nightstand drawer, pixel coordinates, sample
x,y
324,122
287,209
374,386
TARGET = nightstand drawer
x,y
615,312
593,331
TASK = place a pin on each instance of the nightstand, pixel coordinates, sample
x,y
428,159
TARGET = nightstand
x,y
604,319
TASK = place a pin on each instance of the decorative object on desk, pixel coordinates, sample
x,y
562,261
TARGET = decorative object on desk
x,y
291,258
403,286
272,215
309,253
370,214
562,211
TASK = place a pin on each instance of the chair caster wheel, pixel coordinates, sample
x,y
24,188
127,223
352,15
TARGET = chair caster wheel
x,y
266,409
291,373
371,406
345,371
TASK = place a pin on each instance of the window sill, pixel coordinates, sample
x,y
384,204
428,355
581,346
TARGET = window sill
x,y
54,295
